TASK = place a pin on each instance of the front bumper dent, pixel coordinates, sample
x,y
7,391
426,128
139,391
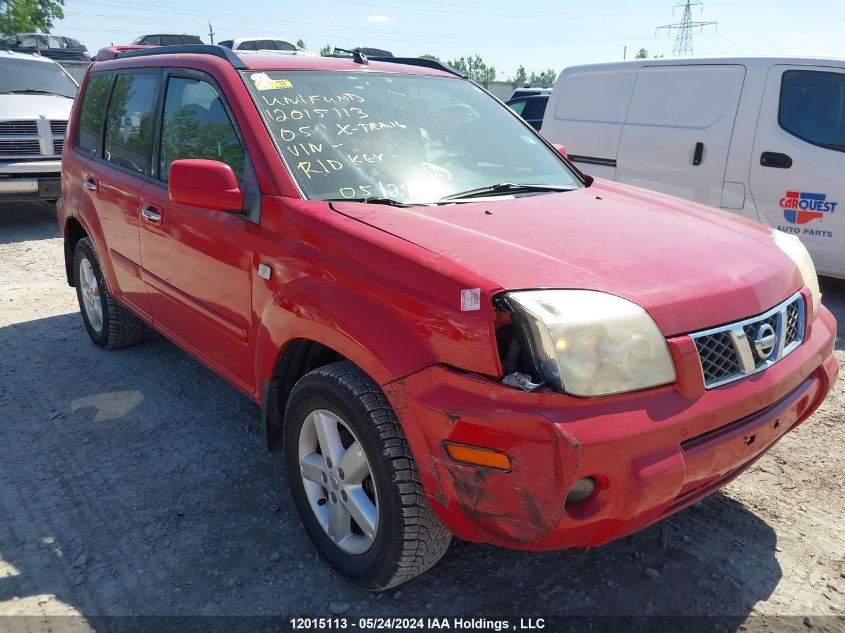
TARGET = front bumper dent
x,y
652,453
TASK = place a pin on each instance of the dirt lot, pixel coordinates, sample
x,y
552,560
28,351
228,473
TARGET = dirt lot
x,y
135,483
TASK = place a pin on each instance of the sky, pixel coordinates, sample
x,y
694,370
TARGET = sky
x,y
540,34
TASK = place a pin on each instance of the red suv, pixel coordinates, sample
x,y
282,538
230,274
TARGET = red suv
x,y
454,330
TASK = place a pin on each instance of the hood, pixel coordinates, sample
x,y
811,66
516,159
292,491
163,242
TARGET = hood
x,y
691,267
27,107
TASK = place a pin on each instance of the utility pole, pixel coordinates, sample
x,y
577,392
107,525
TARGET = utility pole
x,y
210,32
683,41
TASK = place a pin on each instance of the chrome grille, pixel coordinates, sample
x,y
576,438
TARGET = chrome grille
x,y
792,318
719,359
732,351
18,127
20,148
58,128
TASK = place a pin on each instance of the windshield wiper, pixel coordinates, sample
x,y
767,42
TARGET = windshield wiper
x,y
502,187
376,200
35,92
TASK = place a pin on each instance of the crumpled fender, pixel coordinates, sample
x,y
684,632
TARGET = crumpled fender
x,y
368,333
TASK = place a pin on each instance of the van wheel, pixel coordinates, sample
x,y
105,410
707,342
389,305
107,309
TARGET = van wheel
x,y
354,481
109,325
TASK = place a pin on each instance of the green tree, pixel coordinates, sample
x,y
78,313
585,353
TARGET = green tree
x,y
430,56
27,16
521,75
474,68
545,77
642,54
301,43
326,50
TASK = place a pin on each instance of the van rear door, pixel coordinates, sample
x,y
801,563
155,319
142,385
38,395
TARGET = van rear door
x,y
799,158
678,129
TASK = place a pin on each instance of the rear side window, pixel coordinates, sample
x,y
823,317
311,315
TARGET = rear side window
x,y
171,40
812,107
535,108
91,113
247,46
152,40
518,106
196,125
129,122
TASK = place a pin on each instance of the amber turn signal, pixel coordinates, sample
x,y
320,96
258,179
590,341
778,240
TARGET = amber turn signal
x,y
476,456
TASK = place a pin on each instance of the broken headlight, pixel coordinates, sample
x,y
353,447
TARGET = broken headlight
x,y
589,343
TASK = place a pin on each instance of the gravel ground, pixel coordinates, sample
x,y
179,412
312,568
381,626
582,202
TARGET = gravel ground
x,y
135,483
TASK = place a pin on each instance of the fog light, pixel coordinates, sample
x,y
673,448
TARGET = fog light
x,y
582,489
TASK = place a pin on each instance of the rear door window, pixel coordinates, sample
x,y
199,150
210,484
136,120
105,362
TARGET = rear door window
x,y
285,46
812,107
265,45
91,113
129,123
196,125
534,108
518,106
171,40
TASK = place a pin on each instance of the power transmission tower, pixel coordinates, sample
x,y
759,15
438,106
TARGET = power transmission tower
x,y
683,41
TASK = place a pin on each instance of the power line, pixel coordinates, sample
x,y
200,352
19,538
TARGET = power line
x,y
683,41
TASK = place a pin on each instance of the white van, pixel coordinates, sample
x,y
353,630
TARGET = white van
x,y
762,137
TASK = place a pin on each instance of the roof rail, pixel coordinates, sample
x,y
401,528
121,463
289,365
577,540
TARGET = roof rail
x,y
425,62
194,49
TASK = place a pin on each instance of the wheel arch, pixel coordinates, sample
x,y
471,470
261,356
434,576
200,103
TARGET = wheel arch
x,y
73,232
312,323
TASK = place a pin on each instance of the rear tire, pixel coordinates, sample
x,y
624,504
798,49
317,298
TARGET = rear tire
x,y
389,534
109,324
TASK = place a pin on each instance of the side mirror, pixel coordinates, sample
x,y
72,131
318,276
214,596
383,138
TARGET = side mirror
x,y
207,184
561,149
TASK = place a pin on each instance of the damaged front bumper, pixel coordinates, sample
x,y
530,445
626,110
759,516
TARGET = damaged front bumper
x,y
650,453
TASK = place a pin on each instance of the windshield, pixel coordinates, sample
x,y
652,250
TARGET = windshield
x,y
409,138
26,75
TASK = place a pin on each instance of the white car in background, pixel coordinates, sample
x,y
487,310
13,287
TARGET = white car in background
x,y
36,95
761,137
265,44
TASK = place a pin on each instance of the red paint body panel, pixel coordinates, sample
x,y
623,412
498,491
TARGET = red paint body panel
x,y
691,267
637,447
382,287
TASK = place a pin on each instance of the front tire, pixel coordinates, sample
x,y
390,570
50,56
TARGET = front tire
x,y
109,324
355,482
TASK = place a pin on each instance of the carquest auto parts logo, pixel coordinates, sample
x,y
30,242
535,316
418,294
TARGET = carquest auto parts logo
x,y
802,207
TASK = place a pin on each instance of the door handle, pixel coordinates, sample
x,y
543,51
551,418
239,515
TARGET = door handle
x,y
699,150
151,213
776,160
90,183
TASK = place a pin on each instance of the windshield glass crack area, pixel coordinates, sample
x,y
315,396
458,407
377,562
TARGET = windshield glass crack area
x,y
384,138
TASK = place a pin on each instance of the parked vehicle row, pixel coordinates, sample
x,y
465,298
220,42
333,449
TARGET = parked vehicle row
x,y
46,45
458,331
